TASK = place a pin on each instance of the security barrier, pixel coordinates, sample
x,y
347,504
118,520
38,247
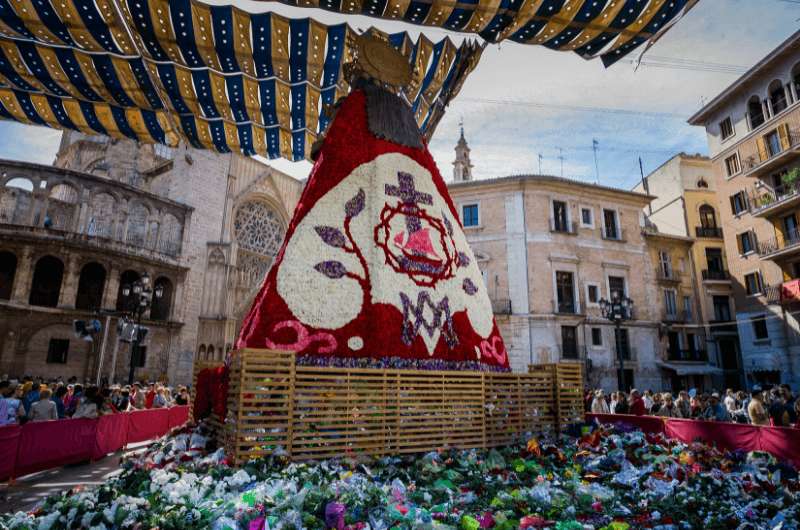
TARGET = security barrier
x,y
37,446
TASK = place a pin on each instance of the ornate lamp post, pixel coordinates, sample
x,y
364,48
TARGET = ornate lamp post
x,y
618,310
141,301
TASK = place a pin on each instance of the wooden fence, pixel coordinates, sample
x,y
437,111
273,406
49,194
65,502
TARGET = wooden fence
x,y
323,412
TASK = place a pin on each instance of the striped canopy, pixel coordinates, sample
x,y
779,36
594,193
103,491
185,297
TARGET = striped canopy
x,y
609,29
214,76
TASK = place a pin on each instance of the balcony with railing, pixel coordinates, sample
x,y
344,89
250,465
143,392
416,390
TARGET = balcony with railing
x,y
675,316
560,226
757,160
713,232
766,202
501,306
610,234
698,356
723,326
565,307
716,275
780,247
667,275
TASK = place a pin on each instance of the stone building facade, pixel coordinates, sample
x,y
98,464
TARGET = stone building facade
x,y
686,207
549,249
203,225
753,131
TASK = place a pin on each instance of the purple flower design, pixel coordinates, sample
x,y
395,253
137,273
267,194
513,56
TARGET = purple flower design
x,y
354,206
331,236
331,269
469,287
463,259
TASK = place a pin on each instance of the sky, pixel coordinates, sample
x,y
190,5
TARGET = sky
x,y
525,101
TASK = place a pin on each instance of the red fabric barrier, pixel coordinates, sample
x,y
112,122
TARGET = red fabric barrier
x,y
47,444
147,424
9,443
782,442
730,436
112,434
651,424
178,416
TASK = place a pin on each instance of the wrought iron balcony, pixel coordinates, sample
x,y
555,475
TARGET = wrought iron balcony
x,y
668,275
766,202
563,227
777,155
677,316
716,275
780,246
613,235
708,231
723,326
700,356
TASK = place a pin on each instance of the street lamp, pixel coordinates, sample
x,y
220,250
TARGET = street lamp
x,y
143,296
618,310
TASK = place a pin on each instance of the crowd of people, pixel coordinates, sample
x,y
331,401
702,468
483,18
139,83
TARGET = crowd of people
x,y
32,399
776,406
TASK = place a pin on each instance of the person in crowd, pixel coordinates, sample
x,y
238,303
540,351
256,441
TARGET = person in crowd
x,y
182,397
777,409
788,403
637,404
30,395
755,409
58,399
137,397
103,402
159,401
621,405
149,396
599,405
67,399
77,398
648,399
658,401
4,386
88,405
44,409
13,405
730,401
124,403
684,404
715,411
668,408
696,407
797,413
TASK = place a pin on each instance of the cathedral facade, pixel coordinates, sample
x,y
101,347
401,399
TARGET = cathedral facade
x,y
204,227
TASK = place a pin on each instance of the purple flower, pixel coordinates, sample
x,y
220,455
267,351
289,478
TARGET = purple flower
x,y
331,269
334,515
331,236
469,287
354,206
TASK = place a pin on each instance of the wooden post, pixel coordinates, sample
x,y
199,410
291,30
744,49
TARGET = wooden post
x,y
290,403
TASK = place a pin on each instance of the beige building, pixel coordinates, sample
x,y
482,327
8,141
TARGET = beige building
x,y
549,249
204,226
686,210
753,130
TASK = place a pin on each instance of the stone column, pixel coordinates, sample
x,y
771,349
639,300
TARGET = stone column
x,y
770,112
21,290
69,283
793,91
111,289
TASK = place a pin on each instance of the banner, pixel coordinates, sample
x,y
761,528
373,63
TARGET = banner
x,y
112,434
9,443
147,424
178,416
47,444
727,436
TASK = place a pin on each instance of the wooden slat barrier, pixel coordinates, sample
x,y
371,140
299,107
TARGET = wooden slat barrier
x,y
313,412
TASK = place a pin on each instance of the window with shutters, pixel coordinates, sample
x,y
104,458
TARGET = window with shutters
x,y
665,264
687,307
747,242
726,128
616,287
739,203
752,283
470,215
773,143
670,302
732,164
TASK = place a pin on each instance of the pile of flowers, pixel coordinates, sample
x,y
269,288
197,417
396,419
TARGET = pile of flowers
x,y
603,479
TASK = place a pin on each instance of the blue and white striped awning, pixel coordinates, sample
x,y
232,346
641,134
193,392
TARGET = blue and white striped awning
x,y
214,76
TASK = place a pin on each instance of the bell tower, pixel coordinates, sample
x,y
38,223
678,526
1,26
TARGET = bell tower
x,y
462,167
